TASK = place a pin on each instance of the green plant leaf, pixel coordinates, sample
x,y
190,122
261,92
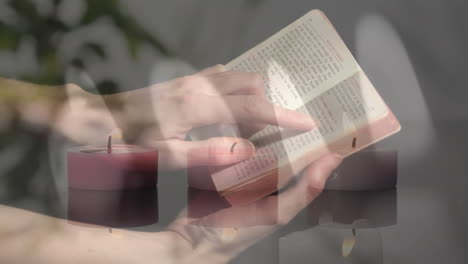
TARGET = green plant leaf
x,y
9,38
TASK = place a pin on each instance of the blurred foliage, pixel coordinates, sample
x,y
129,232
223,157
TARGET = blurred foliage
x,y
48,30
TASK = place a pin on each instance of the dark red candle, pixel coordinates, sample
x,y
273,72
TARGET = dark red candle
x,y
113,208
124,167
366,170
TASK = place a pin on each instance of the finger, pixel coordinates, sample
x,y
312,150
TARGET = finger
x,y
205,110
267,214
177,154
298,196
261,213
276,209
233,82
212,70
255,109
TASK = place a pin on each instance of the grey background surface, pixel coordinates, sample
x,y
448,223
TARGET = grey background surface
x,y
414,51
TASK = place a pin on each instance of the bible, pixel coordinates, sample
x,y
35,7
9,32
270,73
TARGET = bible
x,y
308,68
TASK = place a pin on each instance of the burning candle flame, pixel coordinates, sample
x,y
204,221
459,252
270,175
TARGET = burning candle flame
x,y
116,133
348,245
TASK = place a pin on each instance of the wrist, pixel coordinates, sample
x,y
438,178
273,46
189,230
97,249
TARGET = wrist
x,y
85,118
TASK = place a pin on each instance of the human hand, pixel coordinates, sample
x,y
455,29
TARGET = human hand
x,y
221,235
161,115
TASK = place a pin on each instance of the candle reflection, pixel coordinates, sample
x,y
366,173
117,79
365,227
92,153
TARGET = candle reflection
x,y
348,209
113,208
209,208
202,203
348,244
343,227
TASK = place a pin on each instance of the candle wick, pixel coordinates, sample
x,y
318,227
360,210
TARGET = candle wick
x,y
109,144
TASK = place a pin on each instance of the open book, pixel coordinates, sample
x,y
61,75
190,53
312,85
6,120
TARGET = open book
x,y
308,68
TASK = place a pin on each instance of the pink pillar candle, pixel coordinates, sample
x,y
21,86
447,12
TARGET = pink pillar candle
x,y
124,167
366,170
113,208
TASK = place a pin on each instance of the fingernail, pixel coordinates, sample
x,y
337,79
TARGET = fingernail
x,y
243,147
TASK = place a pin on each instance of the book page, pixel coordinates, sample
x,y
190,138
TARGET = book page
x,y
300,62
340,111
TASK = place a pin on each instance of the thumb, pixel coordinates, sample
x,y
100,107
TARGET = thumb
x,y
316,175
298,196
217,151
